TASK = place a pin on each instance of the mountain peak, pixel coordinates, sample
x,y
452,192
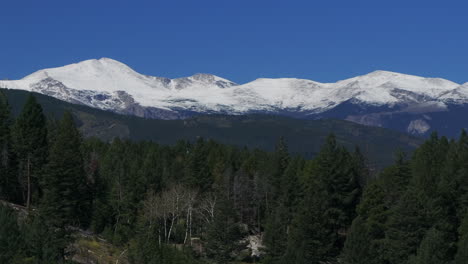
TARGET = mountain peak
x,y
206,77
101,64
387,74
383,72
207,92
209,79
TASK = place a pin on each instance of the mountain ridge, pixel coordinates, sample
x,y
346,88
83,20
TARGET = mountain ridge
x,y
304,137
111,85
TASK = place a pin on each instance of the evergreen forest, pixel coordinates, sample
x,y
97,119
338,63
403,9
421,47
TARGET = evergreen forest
x,y
205,202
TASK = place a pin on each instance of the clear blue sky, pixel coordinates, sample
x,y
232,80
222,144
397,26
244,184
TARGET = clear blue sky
x,y
240,40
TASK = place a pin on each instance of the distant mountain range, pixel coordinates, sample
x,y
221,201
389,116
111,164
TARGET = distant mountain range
x,y
403,102
304,137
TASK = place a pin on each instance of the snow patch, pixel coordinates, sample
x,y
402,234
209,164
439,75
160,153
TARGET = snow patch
x,y
418,126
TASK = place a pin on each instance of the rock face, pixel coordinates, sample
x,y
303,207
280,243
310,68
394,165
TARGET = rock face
x,y
381,98
418,126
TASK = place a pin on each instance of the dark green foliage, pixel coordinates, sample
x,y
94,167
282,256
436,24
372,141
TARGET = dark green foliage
x,y
433,249
308,240
44,243
428,162
358,249
411,213
364,240
304,137
461,256
276,234
66,196
374,210
279,164
328,208
30,143
28,240
407,226
148,252
9,185
197,170
201,200
394,180
124,188
11,240
361,167
146,248
224,233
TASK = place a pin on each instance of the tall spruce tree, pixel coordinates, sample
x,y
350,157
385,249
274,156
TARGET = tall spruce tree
x,y
279,165
459,171
358,245
65,198
364,239
224,232
428,162
328,207
197,173
308,239
433,249
276,235
461,256
279,221
407,226
30,144
11,239
9,185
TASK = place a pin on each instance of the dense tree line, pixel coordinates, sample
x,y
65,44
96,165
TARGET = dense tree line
x,y
416,211
202,201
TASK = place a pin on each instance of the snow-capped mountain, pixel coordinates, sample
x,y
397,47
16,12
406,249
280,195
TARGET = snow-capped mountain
x,y
369,99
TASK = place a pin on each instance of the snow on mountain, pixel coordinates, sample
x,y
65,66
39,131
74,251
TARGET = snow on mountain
x,y
108,76
112,85
376,88
458,95
384,81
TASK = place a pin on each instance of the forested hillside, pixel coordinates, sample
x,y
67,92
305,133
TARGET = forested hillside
x,y
206,202
304,137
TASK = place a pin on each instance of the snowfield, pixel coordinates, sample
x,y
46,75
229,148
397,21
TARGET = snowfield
x,y
111,85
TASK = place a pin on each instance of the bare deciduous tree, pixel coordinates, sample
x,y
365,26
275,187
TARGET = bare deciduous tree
x,y
207,208
166,208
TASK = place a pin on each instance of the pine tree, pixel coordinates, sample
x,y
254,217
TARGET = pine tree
x,y
30,144
433,249
197,171
337,172
43,243
461,256
279,222
308,239
291,190
364,239
456,173
9,185
357,248
328,207
407,226
276,234
279,165
427,164
394,180
224,233
119,170
11,239
361,167
65,198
